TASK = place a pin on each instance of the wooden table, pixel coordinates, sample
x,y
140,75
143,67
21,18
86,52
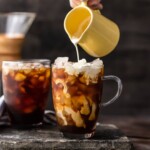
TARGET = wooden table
x,y
136,128
107,137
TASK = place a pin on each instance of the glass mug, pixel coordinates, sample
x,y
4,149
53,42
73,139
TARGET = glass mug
x,y
26,86
77,97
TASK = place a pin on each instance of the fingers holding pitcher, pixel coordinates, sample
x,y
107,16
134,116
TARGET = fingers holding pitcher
x,y
93,4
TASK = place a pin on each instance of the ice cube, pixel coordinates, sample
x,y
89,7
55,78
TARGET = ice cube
x,y
48,73
37,65
80,63
60,61
41,70
20,77
97,63
69,69
41,78
27,71
91,73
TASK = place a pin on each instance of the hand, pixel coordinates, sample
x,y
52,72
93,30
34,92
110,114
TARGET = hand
x,y
93,4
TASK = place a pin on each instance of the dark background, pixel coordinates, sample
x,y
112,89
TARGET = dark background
x,y
130,61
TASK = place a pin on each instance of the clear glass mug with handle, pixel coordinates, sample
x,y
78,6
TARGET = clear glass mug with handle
x,y
77,93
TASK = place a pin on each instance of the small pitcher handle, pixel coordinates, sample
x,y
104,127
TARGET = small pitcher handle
x,y
119,83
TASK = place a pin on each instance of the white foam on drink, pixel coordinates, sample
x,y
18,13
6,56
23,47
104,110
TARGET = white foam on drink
x,y
21,65
61,61
91,69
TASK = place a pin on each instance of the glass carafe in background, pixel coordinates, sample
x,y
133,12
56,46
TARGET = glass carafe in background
x,y
13,28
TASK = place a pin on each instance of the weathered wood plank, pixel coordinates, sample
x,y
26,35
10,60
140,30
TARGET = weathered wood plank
x,y
107,137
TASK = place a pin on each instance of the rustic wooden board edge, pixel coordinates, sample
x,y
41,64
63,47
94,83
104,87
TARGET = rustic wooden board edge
x,y
51,138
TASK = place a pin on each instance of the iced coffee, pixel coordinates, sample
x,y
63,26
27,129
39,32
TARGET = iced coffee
x,y
26,89
77,90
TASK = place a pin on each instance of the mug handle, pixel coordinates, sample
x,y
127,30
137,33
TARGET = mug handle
x,y
119,83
